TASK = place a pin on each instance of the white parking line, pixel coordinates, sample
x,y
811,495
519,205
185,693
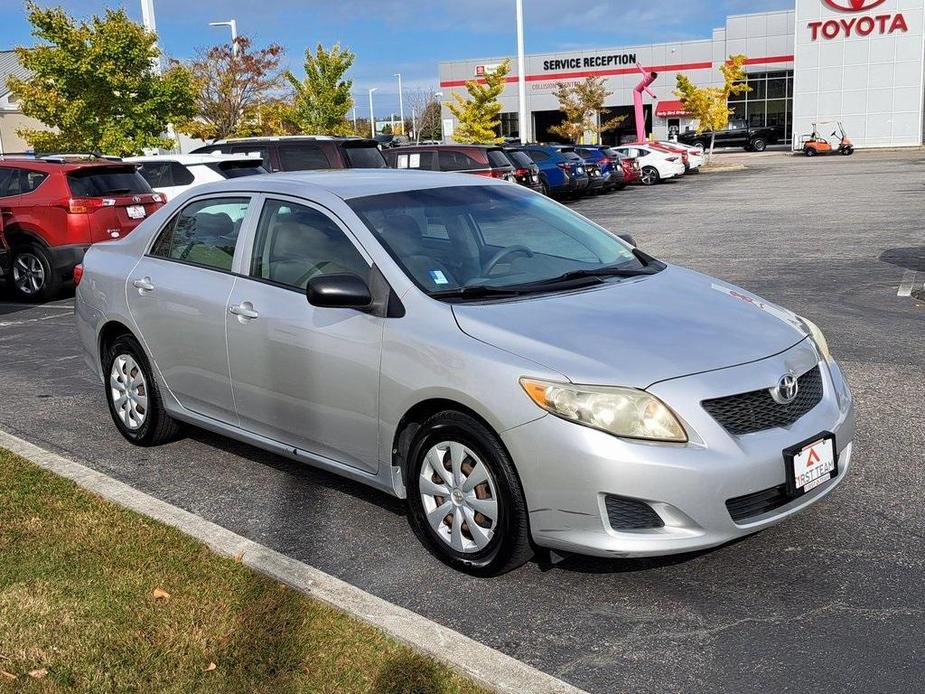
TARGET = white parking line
x,y
908,282
489,667
63,307
8,323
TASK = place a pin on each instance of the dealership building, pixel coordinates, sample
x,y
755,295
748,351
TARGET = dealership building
x,y
861,62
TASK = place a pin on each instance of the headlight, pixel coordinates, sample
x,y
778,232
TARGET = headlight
x,y
620,411
815,333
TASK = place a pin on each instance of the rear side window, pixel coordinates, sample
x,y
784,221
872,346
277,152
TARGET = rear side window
x,y
569,154
364,158
538,155
302,157
412,160
16,181
164,174
250,150
203,233
111,180
521,159
497,158
456,161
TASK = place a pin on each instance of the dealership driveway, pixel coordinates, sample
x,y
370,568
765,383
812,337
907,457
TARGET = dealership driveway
x,y
831,600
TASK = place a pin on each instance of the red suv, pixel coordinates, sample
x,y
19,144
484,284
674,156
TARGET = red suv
x,y
53,210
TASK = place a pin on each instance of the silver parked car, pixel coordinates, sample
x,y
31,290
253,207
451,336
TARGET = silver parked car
x,y
520,375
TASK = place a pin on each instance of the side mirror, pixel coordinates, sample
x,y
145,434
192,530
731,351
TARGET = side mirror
x,y
629,239
339,291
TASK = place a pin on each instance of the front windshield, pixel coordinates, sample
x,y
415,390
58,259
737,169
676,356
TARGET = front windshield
x,y
460,237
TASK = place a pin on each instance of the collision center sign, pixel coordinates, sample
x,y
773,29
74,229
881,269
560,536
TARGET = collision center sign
x,y
852,24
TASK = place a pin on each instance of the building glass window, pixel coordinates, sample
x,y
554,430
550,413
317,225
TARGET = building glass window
x,y
509,125
768,104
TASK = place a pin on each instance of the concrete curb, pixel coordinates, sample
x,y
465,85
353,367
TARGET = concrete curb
x,y
485,665
722,168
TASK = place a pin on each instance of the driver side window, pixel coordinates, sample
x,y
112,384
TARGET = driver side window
x,y
295,243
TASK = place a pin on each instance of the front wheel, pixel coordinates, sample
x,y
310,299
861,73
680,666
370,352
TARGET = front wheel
x,y
465,501
759,144
810,152
133,396
649,176
34,278
846,151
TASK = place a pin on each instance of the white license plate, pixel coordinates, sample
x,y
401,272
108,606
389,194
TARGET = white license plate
x,y
135,211
811,464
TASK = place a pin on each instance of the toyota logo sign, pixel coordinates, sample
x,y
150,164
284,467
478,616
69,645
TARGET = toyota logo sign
x,y
785,392
853,5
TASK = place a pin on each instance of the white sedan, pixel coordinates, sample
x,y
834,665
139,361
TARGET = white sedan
x,y
655,165
172,174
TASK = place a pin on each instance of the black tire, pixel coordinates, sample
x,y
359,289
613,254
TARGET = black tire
x,y
158,427
810,152
32,276
546,190
699,143
846,151
650,174
759,144
510,545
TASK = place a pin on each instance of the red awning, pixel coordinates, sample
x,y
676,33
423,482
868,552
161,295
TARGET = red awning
x,y
670,109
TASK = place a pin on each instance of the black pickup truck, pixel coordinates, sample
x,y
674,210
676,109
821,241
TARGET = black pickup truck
x,y
736,135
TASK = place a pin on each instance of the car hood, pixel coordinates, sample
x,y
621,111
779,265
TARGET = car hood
x,y
638,331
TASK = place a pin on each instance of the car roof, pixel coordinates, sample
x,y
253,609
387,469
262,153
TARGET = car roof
x,y
53,164
191,159
447,147
295,138
347,183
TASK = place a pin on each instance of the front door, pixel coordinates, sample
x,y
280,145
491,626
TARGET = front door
x,y
304,376
178,297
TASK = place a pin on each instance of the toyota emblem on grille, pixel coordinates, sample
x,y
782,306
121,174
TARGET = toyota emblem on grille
x,y
785,392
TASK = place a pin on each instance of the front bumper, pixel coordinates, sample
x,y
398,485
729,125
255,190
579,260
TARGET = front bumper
x,y
567,470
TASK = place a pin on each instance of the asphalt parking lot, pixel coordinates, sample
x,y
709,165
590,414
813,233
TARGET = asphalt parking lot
x,y
831,600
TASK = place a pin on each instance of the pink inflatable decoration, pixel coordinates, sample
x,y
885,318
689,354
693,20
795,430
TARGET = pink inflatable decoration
x,y
647,79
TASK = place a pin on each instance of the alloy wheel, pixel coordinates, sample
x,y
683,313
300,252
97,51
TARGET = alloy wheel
x,y
459,497
128,391
649,176
28,273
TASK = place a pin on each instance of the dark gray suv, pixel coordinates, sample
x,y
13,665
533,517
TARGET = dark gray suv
x,y
302,152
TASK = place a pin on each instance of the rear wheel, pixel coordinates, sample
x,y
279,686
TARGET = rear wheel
x,y
649,176
846,151
465,502
133,396
546,191
33,275
810,151
759,144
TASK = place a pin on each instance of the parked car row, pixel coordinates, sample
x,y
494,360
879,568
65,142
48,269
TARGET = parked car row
x,y
54,208
556,169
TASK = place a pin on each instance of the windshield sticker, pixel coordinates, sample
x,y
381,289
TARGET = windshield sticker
x,y
438,277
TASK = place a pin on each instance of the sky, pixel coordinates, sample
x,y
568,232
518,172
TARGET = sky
x,y
410,36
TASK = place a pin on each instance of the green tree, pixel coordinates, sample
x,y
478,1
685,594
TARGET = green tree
x,y
477,116
582,104
710,105
322,100
230,87
95,83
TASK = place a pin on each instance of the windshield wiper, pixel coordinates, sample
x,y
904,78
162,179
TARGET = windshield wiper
x,y
598,272
476,291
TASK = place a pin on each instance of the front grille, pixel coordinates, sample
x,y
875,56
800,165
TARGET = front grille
x,y
744,507
630,514
747,413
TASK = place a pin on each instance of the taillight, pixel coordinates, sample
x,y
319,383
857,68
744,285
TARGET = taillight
x,y
87,205
78,273
672,159
563,165
496,173
522,172
605,161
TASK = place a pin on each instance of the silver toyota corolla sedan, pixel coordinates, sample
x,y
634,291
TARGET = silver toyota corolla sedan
x,y
522,376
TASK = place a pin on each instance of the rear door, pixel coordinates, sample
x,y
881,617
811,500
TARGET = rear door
x,y
115,198
10,186
178,296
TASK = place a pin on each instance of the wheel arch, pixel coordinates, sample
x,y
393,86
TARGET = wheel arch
x,y
18,234
108,333
410,423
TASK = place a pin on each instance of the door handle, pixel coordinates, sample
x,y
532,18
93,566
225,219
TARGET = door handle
x,y
244,311
143,285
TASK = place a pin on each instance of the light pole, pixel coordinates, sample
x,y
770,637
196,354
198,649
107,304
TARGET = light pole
x,y
355,118
401,104
233,25
523,126
372,118
437,95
